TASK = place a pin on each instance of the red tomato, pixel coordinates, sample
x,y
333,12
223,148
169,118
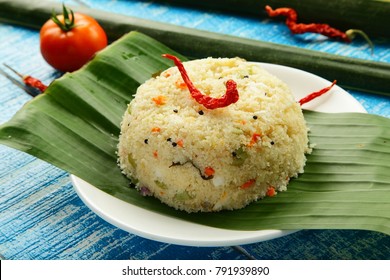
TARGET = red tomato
x,y
68,50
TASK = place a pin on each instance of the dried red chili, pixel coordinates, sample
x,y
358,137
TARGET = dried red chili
x,y
28,80
320,28
231,96
316,94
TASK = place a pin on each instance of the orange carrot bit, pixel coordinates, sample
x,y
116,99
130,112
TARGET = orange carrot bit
x,y
180,143
271,191
180,84
167,74
159,100
156,129
155,154
255,138
248,184
209,171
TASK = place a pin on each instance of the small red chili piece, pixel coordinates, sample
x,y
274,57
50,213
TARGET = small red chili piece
x,y
28,80
316,94
320,28
231,96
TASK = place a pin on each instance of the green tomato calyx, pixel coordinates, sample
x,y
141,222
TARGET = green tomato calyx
x,y
68,23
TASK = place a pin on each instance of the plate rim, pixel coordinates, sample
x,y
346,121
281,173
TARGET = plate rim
x,y
251,236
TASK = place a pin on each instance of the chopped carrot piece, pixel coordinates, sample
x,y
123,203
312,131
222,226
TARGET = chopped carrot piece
x,y
209,171
271,191
255,138
156,129
180,143
180,84
248,184
159,100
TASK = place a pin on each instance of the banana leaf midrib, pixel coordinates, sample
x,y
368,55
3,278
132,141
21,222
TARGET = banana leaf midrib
x,y
325,156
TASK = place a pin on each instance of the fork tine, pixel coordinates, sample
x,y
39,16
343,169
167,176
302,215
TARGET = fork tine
x,y
13,70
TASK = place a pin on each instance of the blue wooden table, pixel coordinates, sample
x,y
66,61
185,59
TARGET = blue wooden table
x,y
41,216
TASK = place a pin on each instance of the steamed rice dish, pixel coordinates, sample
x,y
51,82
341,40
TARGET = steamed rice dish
x,y
196,159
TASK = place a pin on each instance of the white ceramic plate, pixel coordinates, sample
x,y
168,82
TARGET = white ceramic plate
x,y
162,228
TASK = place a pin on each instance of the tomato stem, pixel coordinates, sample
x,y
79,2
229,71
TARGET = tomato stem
x,y
68,23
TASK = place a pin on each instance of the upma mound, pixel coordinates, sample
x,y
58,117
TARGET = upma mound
x,y
196,159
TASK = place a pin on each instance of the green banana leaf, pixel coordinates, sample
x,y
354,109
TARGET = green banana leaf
x,y
75,126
